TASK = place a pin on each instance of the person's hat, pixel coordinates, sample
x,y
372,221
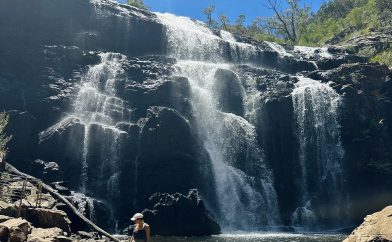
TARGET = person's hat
x,y
137,216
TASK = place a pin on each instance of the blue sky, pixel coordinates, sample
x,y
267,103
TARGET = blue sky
x,y
232,8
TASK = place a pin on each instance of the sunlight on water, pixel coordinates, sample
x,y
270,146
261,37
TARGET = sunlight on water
x,y
258,237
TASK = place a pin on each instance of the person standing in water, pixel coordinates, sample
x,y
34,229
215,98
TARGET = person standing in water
x,y
140,231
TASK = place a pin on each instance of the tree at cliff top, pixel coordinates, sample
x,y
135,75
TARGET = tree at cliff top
x,y
208,12
287,23
4,138
138,4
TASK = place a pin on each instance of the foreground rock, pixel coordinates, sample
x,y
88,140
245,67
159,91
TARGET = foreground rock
x,y
48,218
180,215
38,234
37,224
15,229
376,227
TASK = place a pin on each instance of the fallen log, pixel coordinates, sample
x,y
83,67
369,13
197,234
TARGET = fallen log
x,y
55,194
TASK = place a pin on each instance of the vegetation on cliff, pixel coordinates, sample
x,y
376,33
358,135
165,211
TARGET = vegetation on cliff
x,y
4,138
138,4
335,22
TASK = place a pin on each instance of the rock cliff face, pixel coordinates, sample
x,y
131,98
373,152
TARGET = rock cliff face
x,y
129,103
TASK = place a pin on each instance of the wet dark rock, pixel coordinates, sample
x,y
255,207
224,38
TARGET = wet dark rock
x,y
22,127
77,224
366,131
63,144
228,92
61,189
8,209
4,233
180,215
167,150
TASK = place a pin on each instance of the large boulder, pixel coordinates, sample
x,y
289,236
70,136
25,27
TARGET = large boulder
x,y
48,218
4,218
16,229
376,227
8,209
44,235
180,215
4,233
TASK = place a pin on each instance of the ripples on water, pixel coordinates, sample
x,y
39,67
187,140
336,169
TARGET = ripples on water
x,y
257,237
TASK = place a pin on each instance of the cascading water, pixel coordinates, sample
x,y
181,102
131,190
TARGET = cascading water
x,y
97,104
224,136
190,40
243,188
85,204
98,109
320,149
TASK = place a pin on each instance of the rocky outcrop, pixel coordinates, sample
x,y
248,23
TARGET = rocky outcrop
x,y
48,218
39,234
180,215
8,209
376,227
368,44
45,223
15,229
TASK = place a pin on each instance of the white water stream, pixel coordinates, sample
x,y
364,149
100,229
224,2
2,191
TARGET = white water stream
x,y
199,54
316,115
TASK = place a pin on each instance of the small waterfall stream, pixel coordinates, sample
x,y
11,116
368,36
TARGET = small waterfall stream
x,y
98,109
97,104
320,149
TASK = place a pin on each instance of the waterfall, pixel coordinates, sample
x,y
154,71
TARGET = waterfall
x,y
191,40
84,204
243,186
225,136
279,49
320,149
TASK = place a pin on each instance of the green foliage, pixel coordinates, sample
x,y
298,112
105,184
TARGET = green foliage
x,y
338,9
384,57
340,19
287,25
138,4
290,23
336,20
384,11
4,139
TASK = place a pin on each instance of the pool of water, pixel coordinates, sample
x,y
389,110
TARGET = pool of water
x,y
257,237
